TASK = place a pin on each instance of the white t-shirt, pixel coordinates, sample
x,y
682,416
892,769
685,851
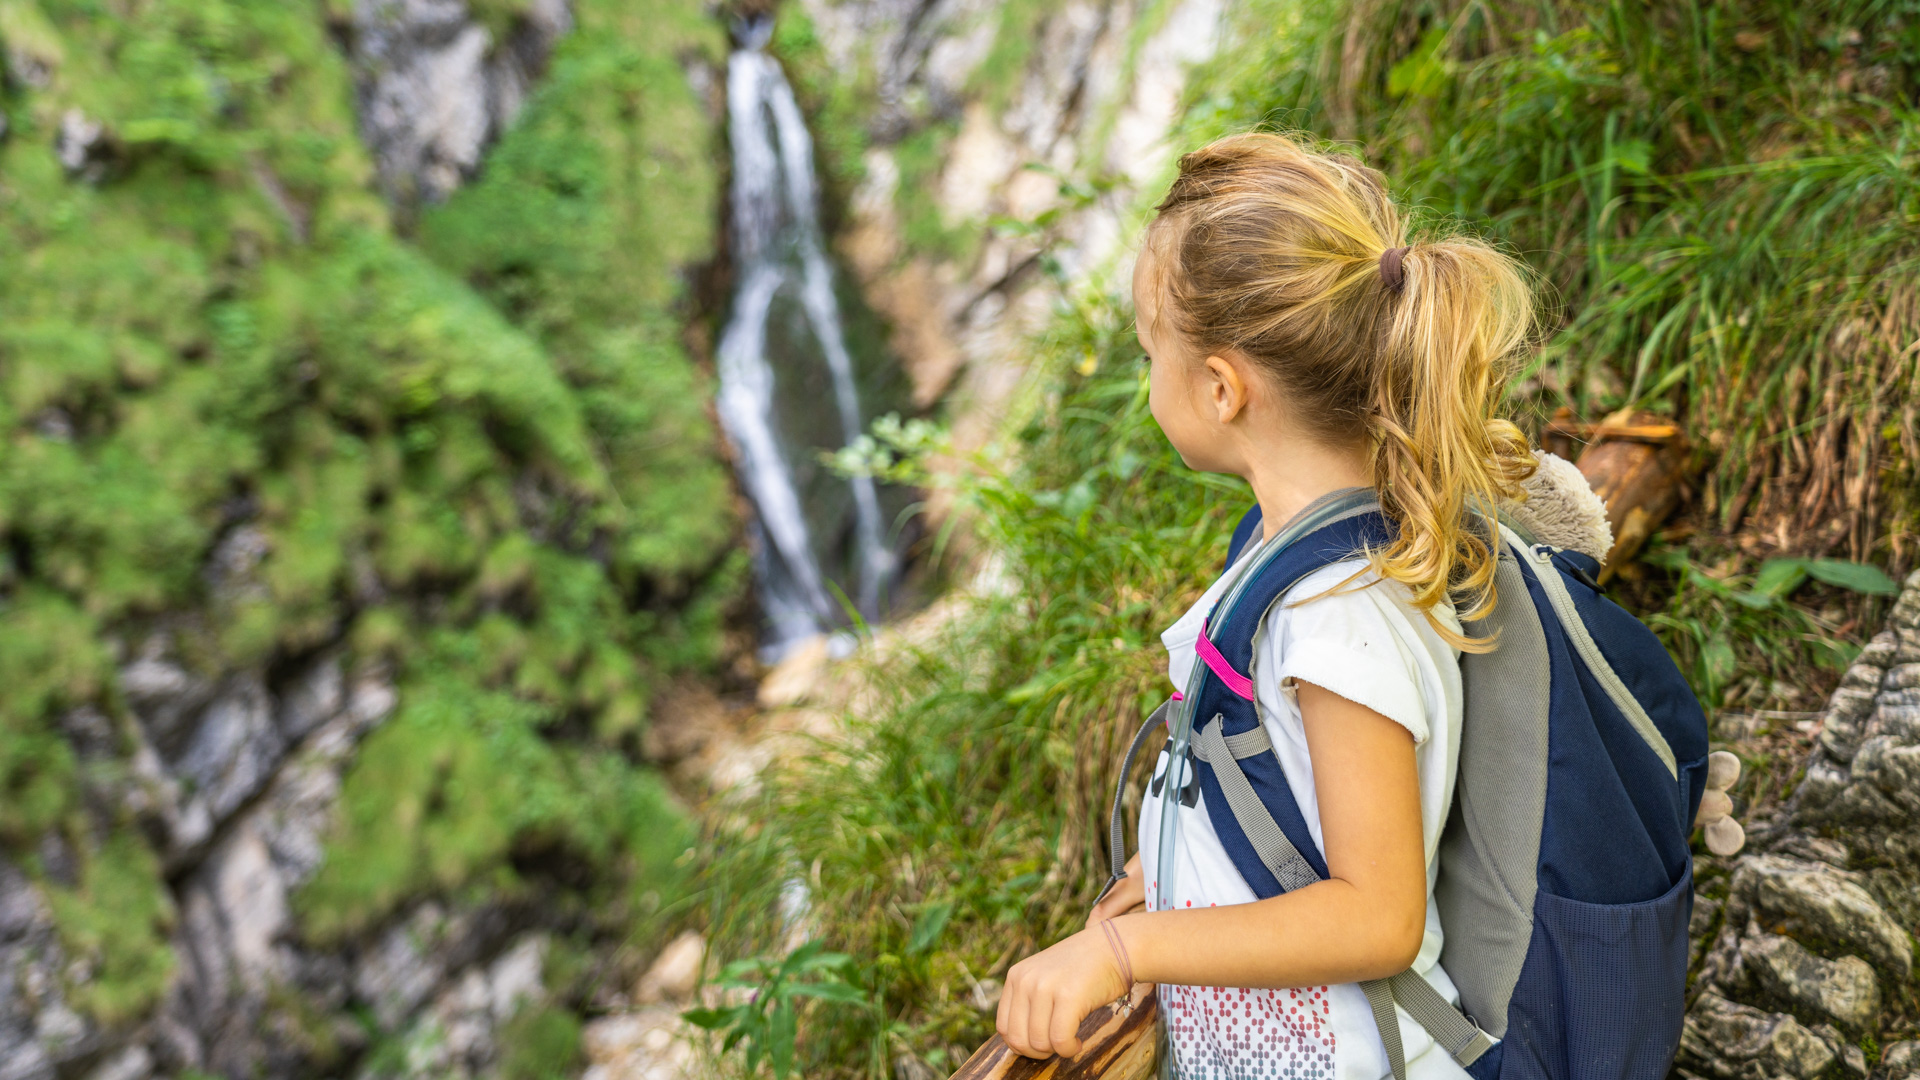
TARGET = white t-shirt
x,y
1368,644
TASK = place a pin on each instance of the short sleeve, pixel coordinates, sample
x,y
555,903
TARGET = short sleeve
x,y
1357,641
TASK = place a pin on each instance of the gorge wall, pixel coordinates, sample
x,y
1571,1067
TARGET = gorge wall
x,y
358,497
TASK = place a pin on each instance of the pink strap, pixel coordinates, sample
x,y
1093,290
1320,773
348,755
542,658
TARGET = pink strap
x,y
1235,681
1178,696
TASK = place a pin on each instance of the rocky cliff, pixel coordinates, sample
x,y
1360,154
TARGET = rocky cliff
x,y
357,496
1805,940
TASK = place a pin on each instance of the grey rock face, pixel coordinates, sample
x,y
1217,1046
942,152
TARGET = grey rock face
x,y
1822,905
1815,939
1845,991
243,793
1735,1042
436,87
1900,1060
456,1036
38,1031
235,937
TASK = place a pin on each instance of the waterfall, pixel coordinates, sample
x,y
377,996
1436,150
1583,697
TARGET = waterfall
x,y
777,252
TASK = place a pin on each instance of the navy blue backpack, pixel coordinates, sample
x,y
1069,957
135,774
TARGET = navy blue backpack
x,y
1565,880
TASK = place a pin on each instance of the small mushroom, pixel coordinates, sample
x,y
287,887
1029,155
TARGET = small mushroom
x,y
1725,836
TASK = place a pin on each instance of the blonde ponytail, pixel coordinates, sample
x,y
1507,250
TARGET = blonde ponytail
x,y
1298,259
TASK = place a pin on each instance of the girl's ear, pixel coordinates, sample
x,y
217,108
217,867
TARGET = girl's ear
x,y
1226,390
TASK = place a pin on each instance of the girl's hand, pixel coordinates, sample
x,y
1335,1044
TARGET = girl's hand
x,y
1048,994
1129,894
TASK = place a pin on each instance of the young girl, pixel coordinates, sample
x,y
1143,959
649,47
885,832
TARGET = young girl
x,y
1300,341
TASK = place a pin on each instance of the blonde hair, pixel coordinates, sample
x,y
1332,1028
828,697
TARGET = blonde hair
x,y
1285,254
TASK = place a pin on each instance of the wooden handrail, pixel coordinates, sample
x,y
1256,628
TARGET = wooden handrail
x,y
1118,1045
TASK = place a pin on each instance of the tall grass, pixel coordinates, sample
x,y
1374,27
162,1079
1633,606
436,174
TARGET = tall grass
x,y
1721,198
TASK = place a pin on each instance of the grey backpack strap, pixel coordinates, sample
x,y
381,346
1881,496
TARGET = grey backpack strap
x,y
1116,824
1450,1027
1380,996
1289,867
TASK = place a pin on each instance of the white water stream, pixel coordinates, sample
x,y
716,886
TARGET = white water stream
x,y
777,248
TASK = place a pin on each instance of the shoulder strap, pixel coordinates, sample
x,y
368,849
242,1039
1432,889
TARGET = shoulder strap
x,y
1328,510
1221,693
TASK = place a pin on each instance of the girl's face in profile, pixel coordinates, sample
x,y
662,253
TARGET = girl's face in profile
x,y
1175,378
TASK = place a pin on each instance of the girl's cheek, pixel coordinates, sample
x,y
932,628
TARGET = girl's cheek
x,y
1157,396
1165,402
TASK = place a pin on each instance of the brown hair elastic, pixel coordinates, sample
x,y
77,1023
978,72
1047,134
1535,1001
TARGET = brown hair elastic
x,y
1390,273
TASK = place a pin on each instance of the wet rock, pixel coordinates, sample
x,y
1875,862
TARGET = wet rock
x,y
1824,907
457,1034
675,971
83,146
436,86
1844,991
1736,1042
650,1044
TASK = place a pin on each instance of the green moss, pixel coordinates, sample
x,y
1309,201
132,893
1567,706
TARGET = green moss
x,y
498,16
52,658
481,456
541,1044
579,230
113,925
461,779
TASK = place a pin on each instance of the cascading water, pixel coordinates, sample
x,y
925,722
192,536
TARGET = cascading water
x,y
777,253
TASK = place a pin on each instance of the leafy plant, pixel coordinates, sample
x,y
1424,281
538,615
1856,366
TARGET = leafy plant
x,y
767,1022
1732,628
1778,579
